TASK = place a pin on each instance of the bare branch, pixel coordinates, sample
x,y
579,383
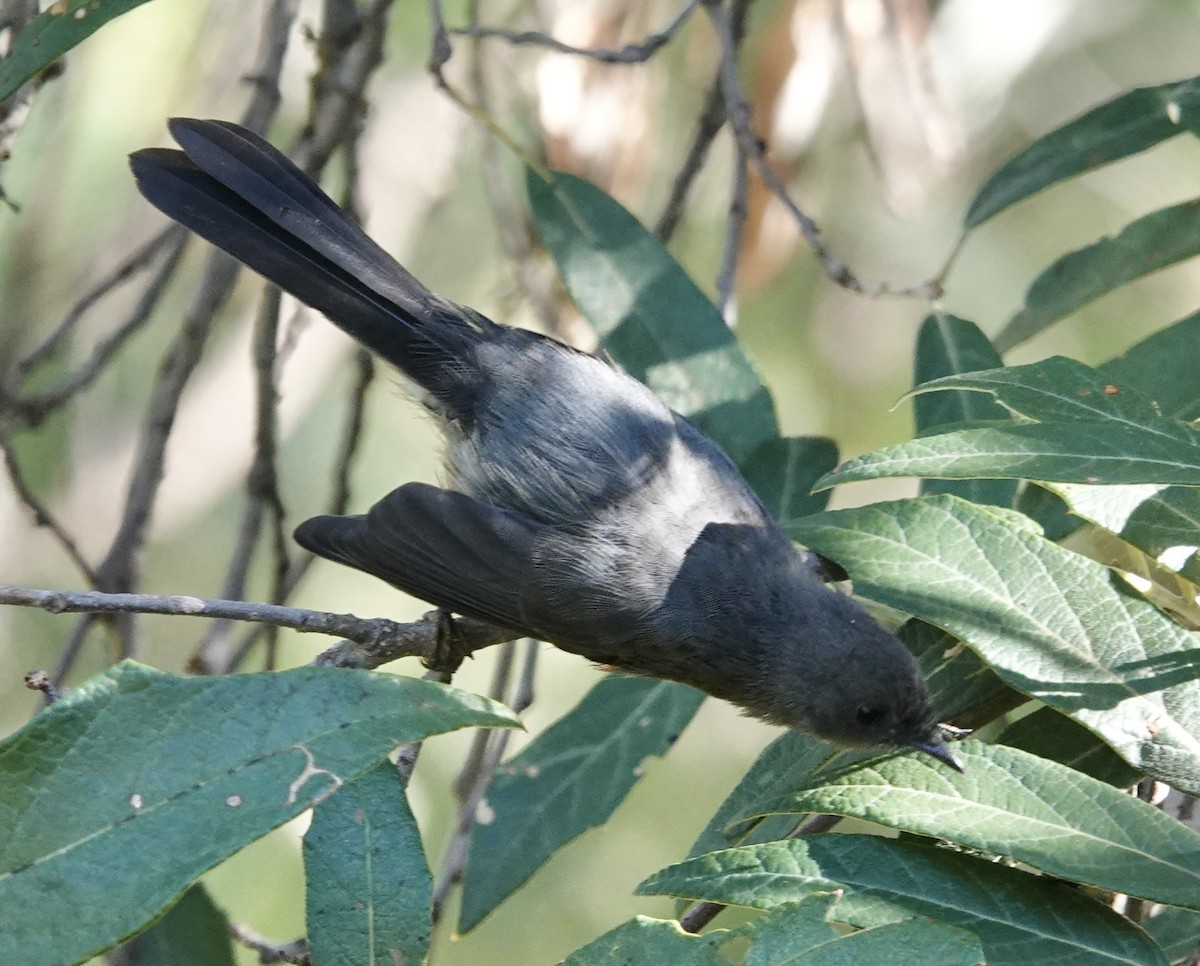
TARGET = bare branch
x,y
140,259
40,681
734,232
629,54
119,571
712,119
295,952
42,517
738,111
369,642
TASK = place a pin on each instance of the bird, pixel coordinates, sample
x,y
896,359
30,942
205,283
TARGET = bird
x,y
578,508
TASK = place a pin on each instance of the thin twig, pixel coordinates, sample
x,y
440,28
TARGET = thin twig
x,y
40,681
140,259
738,111
340,499
629,54
734,232
477,774
369,642
295,952
42,517
120,569
712,119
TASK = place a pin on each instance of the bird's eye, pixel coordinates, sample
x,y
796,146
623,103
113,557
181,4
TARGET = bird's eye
x,y
868,715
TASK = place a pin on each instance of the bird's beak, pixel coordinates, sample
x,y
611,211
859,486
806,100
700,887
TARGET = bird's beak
x,y
937,748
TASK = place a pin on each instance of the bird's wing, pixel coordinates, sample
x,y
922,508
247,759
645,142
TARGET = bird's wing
x,y
448,548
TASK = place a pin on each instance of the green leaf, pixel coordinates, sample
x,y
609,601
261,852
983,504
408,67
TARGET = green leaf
x,y
1019,918
570,778
1048,734
368,889
1153,241
193,933
1089,431
783,766
1048,511
1132,122
1177,931
947,345
962,688
1057,389
1082,452
1051,623
782,472
139,772
649,314
959,682
649,942
798,935
1162,367
51,34
1015,804
1161,521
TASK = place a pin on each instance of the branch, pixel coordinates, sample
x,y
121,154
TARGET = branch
x,y
629,54
369,642
42,516
752,147
295,952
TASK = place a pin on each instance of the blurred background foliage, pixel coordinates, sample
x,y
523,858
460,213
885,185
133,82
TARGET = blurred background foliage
x,y
886,116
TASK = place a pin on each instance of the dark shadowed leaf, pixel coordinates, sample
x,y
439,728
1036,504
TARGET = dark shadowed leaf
x,y
570,778
782,472
1127,124
368,889
1153,241
1177,931
1048,734
1163,368
193,933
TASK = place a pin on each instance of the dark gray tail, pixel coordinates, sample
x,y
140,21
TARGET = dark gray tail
x,y
237,191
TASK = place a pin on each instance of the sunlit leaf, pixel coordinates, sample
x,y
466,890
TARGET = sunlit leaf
x,y
1015,804
1051,623
798,935
947,345
1088,430
139,772
1019,918
649,314
648,942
